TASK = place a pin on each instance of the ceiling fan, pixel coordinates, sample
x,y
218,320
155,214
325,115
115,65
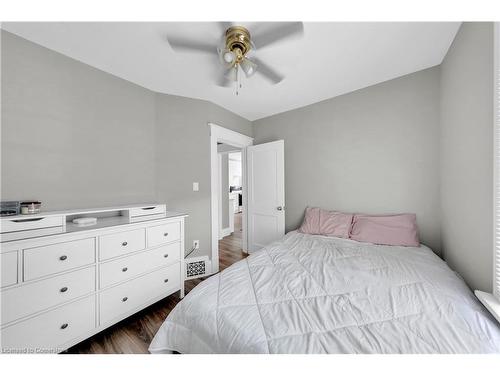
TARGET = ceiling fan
x,y
236,51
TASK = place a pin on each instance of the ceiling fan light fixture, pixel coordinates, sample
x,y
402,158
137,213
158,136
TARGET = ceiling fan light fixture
x,y
248,66
228,57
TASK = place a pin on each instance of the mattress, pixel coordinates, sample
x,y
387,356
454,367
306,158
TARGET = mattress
x,y
315,294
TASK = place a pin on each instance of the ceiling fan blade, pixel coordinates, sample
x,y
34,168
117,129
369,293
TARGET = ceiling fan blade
x,y
223,77
222,81
184,45
267,72
282,31
223,26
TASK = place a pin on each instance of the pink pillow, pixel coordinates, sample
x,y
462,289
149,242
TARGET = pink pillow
x,y
397,230
310,225
327,223
334,224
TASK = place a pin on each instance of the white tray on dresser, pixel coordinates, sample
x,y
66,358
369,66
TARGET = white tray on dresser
x,y
62,283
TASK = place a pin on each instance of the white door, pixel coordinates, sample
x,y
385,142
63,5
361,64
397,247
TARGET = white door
x,y
266,194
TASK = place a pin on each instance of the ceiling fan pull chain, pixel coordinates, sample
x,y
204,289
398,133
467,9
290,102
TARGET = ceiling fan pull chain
x,y
237,80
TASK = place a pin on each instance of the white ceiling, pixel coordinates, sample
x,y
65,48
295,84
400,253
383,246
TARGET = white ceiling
x,y
330,59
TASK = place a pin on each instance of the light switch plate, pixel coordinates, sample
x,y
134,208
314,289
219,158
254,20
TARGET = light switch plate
x,y
196,186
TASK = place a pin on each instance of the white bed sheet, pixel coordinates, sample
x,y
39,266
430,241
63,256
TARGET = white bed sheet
x,y
316,294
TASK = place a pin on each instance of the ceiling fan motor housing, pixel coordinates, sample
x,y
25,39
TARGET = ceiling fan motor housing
x,y
238,41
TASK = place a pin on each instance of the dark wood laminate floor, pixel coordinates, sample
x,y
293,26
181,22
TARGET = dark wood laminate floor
x,y
134,334
230,247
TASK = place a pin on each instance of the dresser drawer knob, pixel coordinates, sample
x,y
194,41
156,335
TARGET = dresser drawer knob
x,y
165,256
63,257
166,280
124,299
124,269
165,234
125,243
63,289
64,326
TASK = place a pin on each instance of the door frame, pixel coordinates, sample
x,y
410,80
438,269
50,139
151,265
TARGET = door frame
x,y
235,139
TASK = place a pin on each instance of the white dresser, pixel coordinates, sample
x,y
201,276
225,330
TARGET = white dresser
x,y
62,283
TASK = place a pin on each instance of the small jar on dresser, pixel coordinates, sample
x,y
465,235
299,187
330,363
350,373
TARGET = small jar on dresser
x,y
62,282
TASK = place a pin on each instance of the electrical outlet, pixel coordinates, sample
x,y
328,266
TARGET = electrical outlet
x,y
196,244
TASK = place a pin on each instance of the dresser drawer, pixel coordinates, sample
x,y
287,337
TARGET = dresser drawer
x,y
31,298
30,223
9,268
113,245
130,295
47,260
125,268
147,211
51,330
164,233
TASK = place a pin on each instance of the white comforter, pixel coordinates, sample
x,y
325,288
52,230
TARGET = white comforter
x,y
314,294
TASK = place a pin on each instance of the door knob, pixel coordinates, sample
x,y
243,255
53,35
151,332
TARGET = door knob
x,y
279,208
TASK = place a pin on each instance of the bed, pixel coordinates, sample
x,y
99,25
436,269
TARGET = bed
x,y
316,294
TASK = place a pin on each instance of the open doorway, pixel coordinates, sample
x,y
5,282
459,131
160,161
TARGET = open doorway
x,y
230,205
228,196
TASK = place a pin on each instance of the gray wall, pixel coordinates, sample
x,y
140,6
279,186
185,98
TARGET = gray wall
x,y
183,156
374,150
467,154
72,136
